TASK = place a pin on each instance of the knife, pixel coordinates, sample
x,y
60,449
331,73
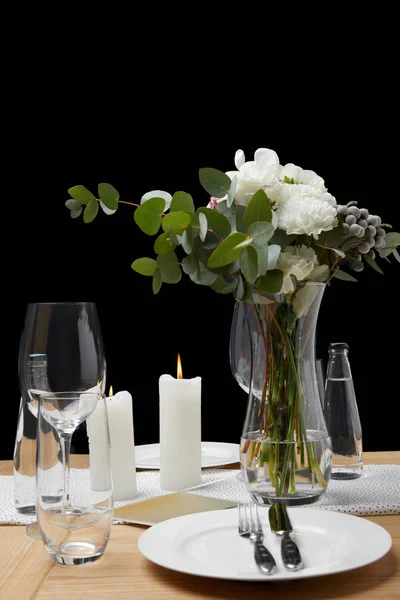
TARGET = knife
x,y
280,524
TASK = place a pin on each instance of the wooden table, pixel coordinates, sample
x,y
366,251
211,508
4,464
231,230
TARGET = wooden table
x,y
123,572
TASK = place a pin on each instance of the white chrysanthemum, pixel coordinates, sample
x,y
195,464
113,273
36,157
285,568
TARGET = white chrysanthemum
x,y
303,176
298,261
261,173
302,209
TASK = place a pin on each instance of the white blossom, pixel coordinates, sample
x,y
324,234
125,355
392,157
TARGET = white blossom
x,y
261,173
303,209
298,261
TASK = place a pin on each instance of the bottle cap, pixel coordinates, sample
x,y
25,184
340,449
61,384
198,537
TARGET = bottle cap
x,y
338,347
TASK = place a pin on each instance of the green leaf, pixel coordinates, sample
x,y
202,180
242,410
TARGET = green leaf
x,y
190,264
219,225
344,276
331,239
232,191
271,282
372,263
187,240
261,232
203,276
75,213
263,259
273,254
91,211
108,195
157,281
336,250
320,273
73,204
224,285
106,210
240,223
248,292
392,240
282,239
169,267
148,215
227,251
258,209
203,226
249,263
174,237
182,201
229,212
81,194
177,220
164,244
396,255
215,182
144,266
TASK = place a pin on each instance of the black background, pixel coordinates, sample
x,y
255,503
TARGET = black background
x,y
151,124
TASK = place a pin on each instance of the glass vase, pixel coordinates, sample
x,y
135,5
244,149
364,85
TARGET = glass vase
x,y
285,447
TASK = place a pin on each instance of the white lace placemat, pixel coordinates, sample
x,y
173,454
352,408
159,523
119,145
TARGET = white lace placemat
x,y
377,492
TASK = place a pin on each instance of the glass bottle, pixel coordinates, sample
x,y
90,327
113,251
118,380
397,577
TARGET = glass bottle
x,y
341,415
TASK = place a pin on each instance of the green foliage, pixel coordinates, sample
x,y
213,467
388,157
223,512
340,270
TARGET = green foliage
x,y
108,195
215,182
148,216
91,210
81,194
258,209
144,266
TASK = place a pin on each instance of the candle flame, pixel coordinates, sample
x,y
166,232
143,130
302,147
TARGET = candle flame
x,y
111,392
179,368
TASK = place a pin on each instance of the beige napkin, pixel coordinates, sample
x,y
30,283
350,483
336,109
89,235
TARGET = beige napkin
x,y
161,508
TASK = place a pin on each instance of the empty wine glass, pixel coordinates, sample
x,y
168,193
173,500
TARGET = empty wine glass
x,y
61,350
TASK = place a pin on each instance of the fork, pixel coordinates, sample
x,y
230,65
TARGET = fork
x,y
250,527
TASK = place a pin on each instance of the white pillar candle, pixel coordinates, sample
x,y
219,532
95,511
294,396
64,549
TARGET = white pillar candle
x,y
180,432
123,464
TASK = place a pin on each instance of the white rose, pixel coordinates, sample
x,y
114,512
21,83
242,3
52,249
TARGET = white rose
x,y
298,261
302,209
262,173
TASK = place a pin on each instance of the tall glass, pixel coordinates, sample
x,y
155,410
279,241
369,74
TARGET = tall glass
x,y
61,350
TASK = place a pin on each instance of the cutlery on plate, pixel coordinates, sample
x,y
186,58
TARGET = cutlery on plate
x,y
280,524
250,527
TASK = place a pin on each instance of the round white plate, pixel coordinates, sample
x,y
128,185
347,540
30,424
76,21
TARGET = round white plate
x,y
209,545
213,454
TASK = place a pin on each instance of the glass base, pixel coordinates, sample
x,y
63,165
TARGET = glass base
x,y
76,553
33,531
343,474
295,501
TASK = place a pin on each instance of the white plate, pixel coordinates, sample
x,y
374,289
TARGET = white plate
x,y
209,545
213,454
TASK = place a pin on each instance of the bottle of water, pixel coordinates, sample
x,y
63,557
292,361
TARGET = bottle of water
x,y
341,415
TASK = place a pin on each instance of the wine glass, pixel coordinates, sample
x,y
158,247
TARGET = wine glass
x,y
61,350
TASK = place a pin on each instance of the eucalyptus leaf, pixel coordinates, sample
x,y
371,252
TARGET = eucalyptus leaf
x,y
331,239
169,267
229,212
249,264
187,240
282,239
182,201
148,215
203,276
336,250
320,273
240,223
248,292
232,191
339,274
271,282
174,237
91,211
81,194
263,259
228,251
106,210
73,204
239,290
224,285
261,232
144,266
396,255
273,254
108,195
76,213
258,209
215,182
176,220
157,194
164,244
203,226
372,264
157,281
218,223
190,264
392,240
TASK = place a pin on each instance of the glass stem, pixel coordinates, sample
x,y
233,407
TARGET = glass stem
x,y
65,441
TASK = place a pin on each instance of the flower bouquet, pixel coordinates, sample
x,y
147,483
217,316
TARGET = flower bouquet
x,y
273,236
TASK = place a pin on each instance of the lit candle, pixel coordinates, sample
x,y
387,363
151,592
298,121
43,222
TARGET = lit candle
x,y
180,431
122,442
